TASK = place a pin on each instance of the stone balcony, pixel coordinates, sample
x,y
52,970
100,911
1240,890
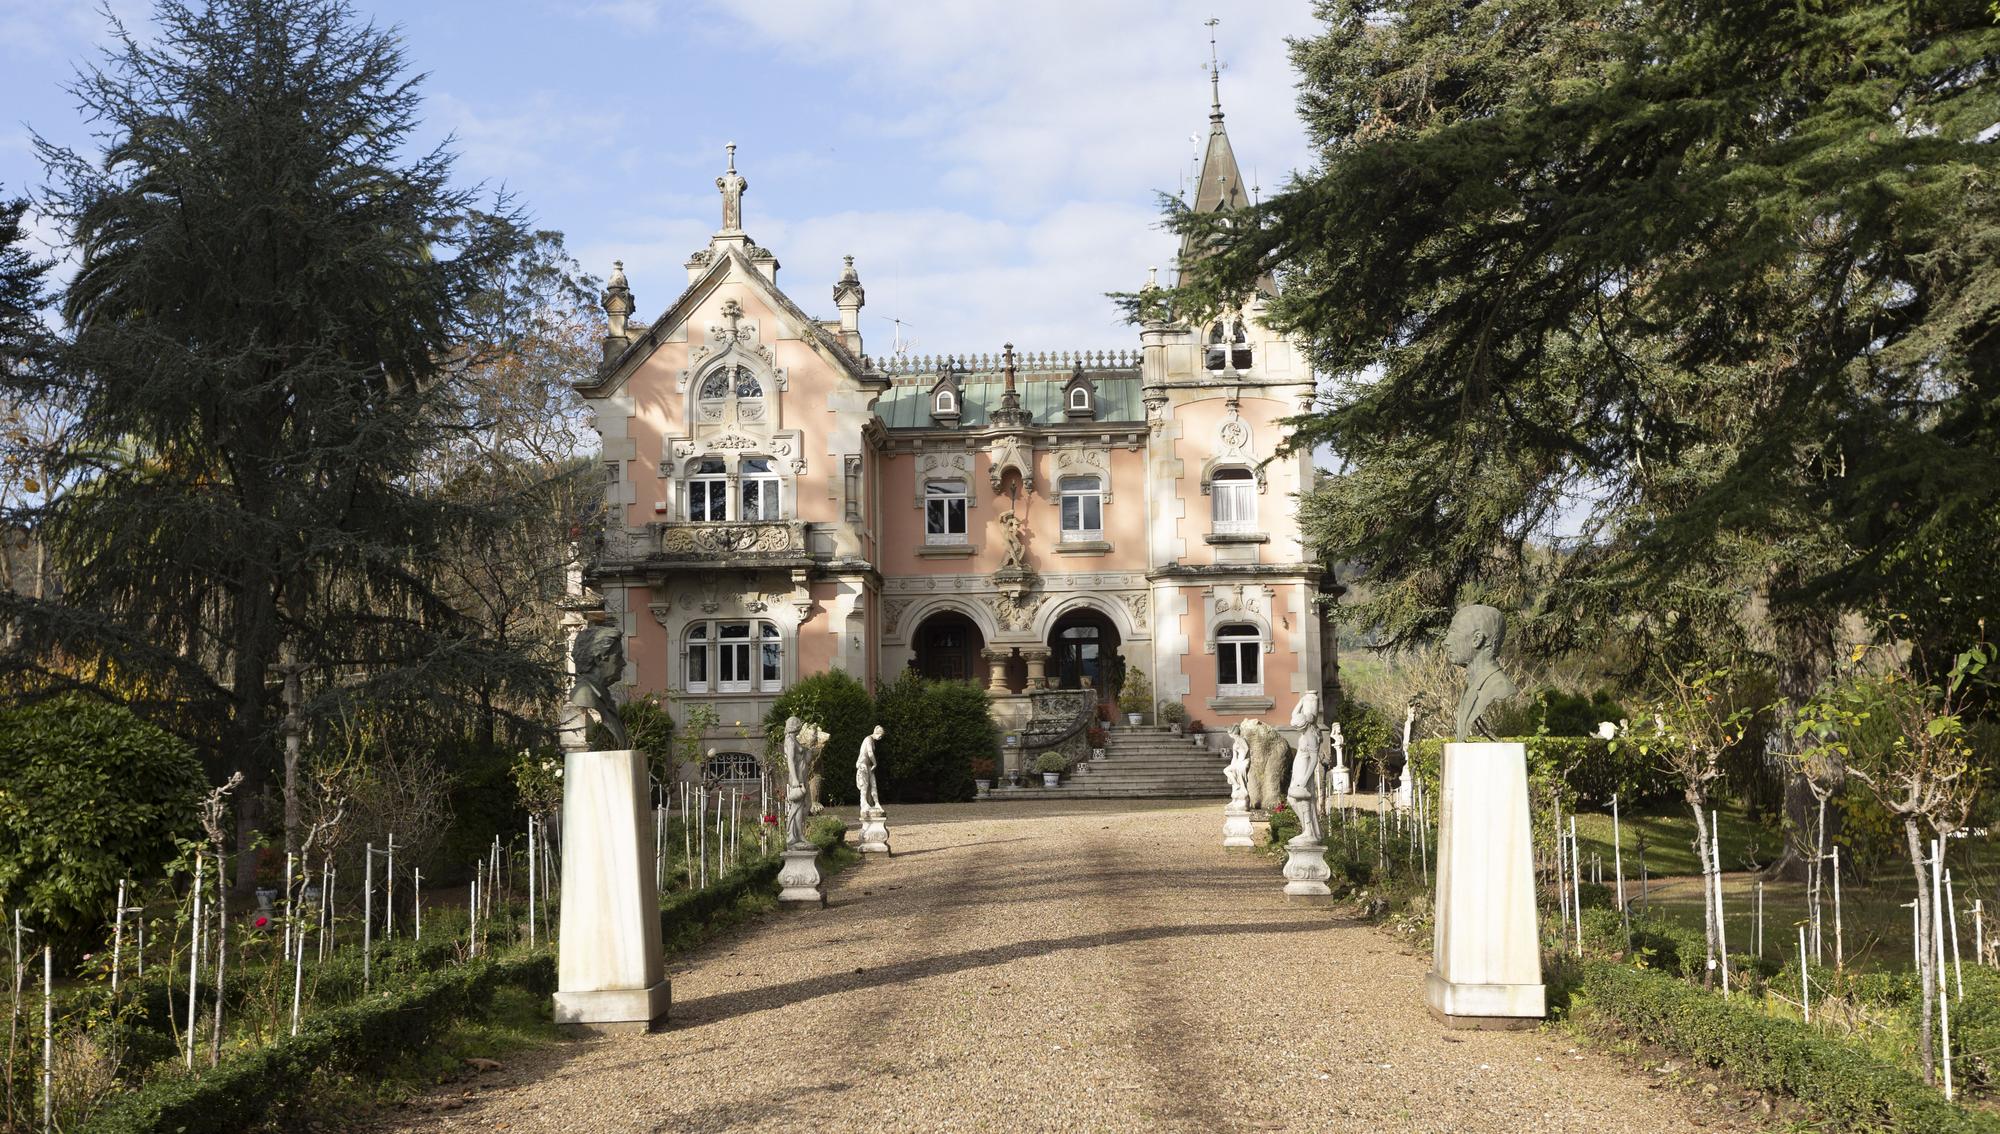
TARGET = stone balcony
x,y
775,543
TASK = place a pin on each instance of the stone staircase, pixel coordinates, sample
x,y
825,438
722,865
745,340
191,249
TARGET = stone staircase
x,y
1139,763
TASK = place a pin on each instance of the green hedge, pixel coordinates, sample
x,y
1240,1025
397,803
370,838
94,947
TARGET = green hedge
x,y
1835,1082
1585,767
371,1035
932,732
836,702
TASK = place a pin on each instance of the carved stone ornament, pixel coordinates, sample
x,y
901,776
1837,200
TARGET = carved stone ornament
x,y
943,466
1012,452
660,612
1015,610
892,613
1076,461
1141,607
686,541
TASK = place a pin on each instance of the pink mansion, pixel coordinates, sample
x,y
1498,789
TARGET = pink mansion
x,y
784,503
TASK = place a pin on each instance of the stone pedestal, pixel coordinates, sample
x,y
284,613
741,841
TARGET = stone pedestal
x,y
1338,781
1487,962
1236,825
874,832
610,972
1306,870
1405,790
798,879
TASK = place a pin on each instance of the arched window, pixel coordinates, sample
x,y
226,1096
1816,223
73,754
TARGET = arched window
x,y
1234,496
1082,508
708,491
760,489
944,512
731,768
734,657
1239,652
1228,346
947,403
1079,398
730,381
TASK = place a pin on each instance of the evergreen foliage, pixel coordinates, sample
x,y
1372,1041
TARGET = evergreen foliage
x,y
89,795
278,319
1714,284
932,732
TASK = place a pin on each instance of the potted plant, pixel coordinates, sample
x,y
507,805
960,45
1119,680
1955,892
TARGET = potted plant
x,y
982,774
1096,737
1136,697
1051,765
1199,732
1174,714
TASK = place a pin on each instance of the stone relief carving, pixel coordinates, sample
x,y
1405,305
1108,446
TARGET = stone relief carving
x,y
1012,453
943,466
680,541
892,614
1076,461
1015,611
1140,606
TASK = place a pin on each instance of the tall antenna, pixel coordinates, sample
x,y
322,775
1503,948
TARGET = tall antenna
x,y
1214,71
900,347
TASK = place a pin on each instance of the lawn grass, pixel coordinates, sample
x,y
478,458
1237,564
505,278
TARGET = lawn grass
x,y
1668,836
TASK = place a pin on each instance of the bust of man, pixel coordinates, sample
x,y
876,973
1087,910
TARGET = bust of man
x,y
1474,643
599,657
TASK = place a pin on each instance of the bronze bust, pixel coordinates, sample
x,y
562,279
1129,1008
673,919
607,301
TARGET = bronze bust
x,y
599,654
1474,642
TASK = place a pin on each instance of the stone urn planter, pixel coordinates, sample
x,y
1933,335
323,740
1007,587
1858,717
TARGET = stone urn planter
x,y
984,786
1051,779
1133,719
1097,754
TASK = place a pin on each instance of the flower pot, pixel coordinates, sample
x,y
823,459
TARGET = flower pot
x,y
1133,719
1097,754
984,786
1175,729
1051,779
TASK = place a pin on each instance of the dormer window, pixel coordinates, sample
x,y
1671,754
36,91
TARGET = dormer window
x,y
1228,347
947,401
1079,396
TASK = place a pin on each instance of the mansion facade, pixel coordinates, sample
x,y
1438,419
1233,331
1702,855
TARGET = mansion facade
x,y
783,503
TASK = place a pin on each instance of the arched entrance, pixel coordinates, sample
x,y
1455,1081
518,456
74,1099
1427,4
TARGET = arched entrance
x,y
947,648
1084,644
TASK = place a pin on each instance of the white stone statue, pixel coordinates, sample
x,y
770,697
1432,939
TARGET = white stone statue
x,y
1302,790
1342,783
798,759
1017,551
864,774
1238,770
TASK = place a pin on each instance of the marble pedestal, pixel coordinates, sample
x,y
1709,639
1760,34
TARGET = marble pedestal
x,y
610,972
1487,962
1405,792
1236,825
1306,870
1338,781
875,832
798,879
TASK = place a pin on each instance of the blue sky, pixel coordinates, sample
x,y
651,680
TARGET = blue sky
x,y
992,167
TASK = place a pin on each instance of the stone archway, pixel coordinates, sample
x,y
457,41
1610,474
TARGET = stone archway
x,y
947,645
1083,646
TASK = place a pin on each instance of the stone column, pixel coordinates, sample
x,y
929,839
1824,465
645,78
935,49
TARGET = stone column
x,y
996,668
610,974
1038,666
1486,967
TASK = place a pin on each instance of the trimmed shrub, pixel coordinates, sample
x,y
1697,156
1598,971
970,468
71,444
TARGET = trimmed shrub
x,y
837,703
1284,825
89,794
1837,1083
932,731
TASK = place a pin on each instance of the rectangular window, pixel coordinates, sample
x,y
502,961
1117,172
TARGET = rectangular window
x,y
1082,509
1237,668
1234,494
760,490
732,657
944,512
773,659
697,658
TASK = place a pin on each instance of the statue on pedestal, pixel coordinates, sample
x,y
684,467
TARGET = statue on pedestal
x,y
864,773
1017,551
599,659
1473,642
1303,791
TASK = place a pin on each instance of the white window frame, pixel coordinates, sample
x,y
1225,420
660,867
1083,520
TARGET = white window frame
x,y
1079,398
1088,500
711,487
946,403
1240,644
765,484
754,658
695,658
939,496
1232,496
1226,340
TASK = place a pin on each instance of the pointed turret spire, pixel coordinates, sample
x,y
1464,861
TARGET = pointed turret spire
x,y
1220,184
733,186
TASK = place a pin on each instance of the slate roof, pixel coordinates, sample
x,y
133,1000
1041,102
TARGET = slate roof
x,y
906,404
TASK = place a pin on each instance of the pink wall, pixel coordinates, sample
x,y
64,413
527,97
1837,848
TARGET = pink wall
x,y
1277,511
902,521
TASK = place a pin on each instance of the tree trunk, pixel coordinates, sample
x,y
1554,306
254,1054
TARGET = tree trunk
x,y
1699,803
1926,966
1804,643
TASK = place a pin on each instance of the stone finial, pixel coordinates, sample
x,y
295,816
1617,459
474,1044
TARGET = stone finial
x,y
618,304
733,186
849,297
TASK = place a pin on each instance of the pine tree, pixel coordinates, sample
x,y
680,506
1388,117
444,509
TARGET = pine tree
x,y
279,315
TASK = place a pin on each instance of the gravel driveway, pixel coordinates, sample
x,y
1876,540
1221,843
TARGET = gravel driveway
x,y
1094,966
